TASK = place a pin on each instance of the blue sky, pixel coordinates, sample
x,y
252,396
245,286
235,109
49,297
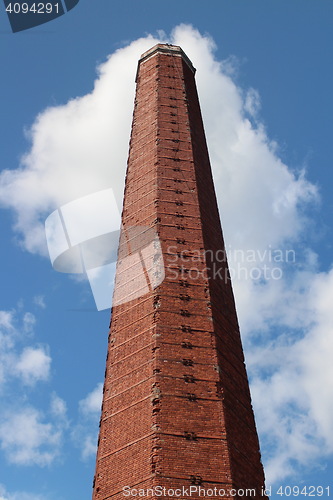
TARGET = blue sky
x,y
264,78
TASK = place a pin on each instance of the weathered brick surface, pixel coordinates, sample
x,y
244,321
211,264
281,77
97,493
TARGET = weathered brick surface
x,y
176,408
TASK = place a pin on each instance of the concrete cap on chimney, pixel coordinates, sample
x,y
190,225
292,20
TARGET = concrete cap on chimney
x,y
166,48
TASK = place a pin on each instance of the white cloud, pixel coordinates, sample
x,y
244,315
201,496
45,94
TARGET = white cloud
x,y
18,495
39,300
27,435
7,338
6,320
29,364
85,433
89,446
27,440
292,382
58,407
81,147
33,365
92,403
252,103
77,149
29,322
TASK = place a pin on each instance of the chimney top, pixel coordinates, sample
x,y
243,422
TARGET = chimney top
x,y
166,48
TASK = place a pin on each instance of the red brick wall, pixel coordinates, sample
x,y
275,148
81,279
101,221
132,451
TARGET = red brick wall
x,y
176,409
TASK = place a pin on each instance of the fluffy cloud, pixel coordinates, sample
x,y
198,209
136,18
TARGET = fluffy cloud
x,y
18,495
28,436
62,166
6,320
30,364
29,321
58,407
292,387
286,319
88,446
92,403
84,434
81,147
27,440
33,365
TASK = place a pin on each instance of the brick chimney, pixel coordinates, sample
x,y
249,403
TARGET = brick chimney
x,y
176,410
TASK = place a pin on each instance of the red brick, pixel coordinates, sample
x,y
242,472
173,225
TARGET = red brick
x,y
177,407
